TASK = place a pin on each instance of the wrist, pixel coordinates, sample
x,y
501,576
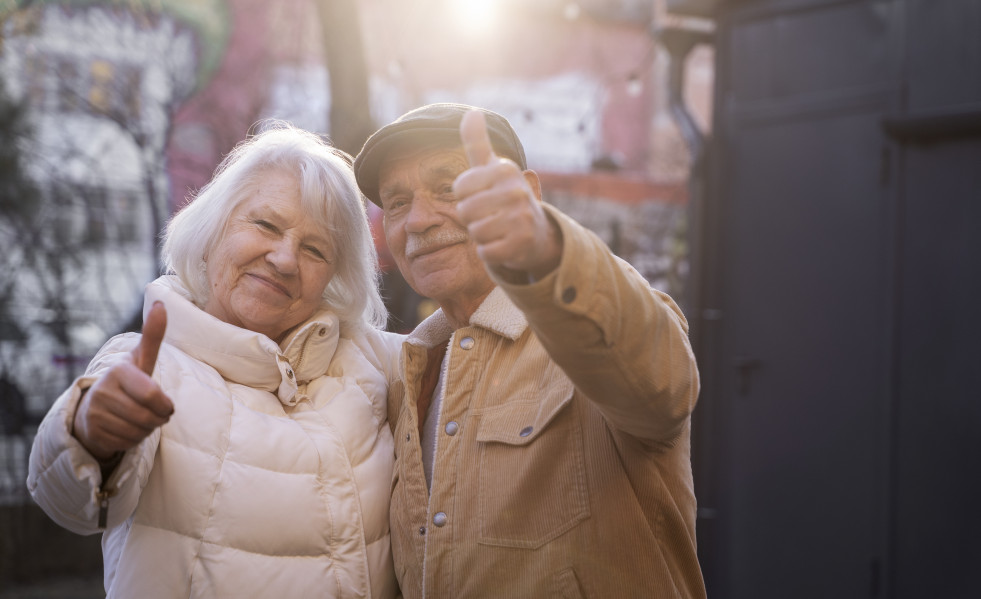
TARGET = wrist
x,y
78,431
108,465
551,254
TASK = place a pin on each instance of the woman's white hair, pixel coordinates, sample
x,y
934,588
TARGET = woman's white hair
x,y
328,194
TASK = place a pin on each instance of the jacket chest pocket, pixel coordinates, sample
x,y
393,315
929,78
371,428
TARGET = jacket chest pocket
x,y
532,481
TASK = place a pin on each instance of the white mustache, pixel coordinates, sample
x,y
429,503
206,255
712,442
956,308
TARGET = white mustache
x,y
419,243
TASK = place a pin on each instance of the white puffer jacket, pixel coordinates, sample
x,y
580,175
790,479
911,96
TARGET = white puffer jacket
x,y
272,478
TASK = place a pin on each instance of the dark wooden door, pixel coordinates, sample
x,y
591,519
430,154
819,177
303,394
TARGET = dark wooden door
x,y
844,386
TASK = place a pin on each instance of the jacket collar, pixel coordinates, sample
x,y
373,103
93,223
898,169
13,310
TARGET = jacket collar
x,y
497,313
243,356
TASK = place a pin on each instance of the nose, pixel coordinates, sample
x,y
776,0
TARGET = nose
x,y
423,214
284,256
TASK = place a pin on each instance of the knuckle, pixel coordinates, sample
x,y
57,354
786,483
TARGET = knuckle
x,y
504,164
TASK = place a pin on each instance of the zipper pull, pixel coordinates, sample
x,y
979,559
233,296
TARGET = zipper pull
x,y
103,497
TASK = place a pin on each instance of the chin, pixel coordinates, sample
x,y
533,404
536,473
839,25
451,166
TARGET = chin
x,y
435,285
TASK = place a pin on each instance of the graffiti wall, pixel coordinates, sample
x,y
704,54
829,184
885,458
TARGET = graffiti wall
x,y
131,105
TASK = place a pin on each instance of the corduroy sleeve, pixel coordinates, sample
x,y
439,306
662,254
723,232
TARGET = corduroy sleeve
x,y
622,343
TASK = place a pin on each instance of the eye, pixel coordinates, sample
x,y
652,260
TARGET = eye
x,y
445,192
317,253
264,224
395,204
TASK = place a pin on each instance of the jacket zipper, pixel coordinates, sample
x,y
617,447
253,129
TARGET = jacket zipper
x,y
107,469
299,357
103,495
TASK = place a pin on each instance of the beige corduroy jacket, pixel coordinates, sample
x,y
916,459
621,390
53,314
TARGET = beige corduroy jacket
x,y
562,463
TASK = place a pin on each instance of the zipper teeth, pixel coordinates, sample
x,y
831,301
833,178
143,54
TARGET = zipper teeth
x,y
103,495
300,354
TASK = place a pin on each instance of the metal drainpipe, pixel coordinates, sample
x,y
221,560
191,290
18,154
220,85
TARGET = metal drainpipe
x,y
679,43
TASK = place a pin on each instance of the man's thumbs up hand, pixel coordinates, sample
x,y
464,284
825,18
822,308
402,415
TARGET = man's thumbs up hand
x,y
124,405
501,207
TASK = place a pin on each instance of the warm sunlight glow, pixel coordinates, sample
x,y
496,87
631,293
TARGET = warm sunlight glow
x,y
476,15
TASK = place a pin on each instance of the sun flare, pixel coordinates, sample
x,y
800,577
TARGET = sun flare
x,y
475,15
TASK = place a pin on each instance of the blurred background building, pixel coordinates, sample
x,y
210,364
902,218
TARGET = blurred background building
x,y
802,175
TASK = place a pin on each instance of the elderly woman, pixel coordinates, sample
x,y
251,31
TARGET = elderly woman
x,y
251,456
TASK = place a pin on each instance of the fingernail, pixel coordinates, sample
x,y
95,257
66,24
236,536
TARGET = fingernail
x,y
158,303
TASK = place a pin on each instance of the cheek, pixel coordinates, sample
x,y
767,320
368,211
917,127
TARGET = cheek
x,y
394,237
225,259
317,283
216,275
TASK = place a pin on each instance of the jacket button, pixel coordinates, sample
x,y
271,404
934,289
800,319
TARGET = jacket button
x,y
440,519
569,295
526,431
322,331
452,428
289,373
467,343
422,530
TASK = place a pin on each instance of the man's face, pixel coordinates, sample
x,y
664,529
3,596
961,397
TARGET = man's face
x,y
429,243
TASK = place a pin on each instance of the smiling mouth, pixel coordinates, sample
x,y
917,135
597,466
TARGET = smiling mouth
x,y
272,283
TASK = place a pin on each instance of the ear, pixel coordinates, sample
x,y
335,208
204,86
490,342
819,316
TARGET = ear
x,y
531,177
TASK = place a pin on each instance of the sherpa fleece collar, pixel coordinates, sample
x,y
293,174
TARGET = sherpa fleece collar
x,y
497,313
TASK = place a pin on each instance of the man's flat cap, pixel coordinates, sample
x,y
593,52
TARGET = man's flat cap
x,y
431,125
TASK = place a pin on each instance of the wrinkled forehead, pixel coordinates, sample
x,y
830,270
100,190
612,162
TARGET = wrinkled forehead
x,y
411,162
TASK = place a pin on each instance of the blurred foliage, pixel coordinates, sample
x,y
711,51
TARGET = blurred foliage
x,y
19,200
19,196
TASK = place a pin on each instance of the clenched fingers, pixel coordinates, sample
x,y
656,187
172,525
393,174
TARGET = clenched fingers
x,y
128,392
120,410
492,189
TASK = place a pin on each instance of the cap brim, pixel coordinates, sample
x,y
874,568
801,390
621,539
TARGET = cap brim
x,y
374,153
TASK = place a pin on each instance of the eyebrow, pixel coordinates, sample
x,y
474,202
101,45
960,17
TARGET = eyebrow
x,y
434,174
445,167
444,171
260,211
392,189
266,212
439,174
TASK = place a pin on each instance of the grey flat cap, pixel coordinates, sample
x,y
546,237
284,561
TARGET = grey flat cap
x,y
433,124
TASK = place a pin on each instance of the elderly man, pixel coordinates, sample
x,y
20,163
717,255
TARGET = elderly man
x,y
542,426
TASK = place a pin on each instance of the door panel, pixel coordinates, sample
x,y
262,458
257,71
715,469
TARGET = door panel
x,y
807,228
846,272
938,456
944,53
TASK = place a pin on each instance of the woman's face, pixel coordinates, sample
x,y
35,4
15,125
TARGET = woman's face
x,y
269,271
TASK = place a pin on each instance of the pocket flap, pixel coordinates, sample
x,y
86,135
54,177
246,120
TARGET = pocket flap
x,y
520,421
